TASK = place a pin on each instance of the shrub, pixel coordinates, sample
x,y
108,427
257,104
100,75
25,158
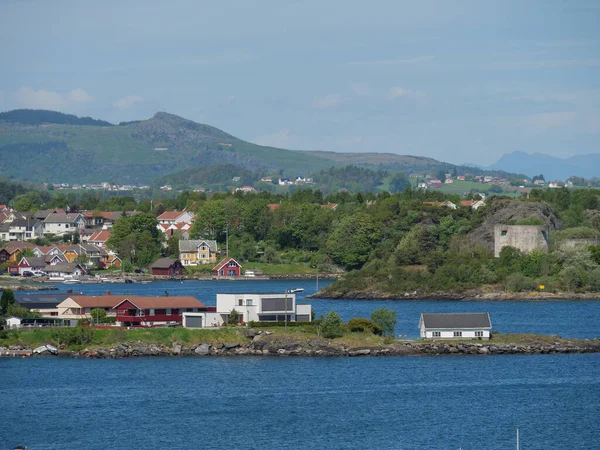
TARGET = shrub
x,y
518,282
234,318
331,326
386,319
362,325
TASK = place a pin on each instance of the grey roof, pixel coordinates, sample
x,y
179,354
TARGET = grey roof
x,y
457,320
192,245
63,267
41,301
163,263
61,218
35,261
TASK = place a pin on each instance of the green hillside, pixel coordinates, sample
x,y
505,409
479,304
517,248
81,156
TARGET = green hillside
x,y
46,146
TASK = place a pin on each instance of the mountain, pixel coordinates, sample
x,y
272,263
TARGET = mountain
x,y
553,168
46,146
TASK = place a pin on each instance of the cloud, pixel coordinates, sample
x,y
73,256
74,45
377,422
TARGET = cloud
x,y
128,102
27,97
360,89
397,92
393,62
329,101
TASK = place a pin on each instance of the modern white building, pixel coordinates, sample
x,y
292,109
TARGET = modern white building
x,y
455,326
272,307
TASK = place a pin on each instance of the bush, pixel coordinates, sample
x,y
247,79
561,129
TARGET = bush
x,y
518,282
386,320
280,324
362,325
331,326
234,318
73,336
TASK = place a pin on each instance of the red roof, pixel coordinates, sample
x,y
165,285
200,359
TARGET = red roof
x,y
224,262
170,215
163,302
97,301
100,236
273,206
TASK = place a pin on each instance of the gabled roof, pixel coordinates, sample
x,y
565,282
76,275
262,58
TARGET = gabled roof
x,y
65,267
456,320
97,301
192,245
18,245
100,236
41,301
143,302
34,261
62,218
164,263
224,262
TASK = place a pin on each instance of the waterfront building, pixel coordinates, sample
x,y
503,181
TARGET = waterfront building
x,y
455,326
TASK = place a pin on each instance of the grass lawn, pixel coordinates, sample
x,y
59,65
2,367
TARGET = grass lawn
x,y
279,269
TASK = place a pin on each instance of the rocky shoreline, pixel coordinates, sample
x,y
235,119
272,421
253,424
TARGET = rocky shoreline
x,y
259,343
469,296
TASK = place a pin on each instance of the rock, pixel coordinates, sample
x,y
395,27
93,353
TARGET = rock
x,y
230,345
359,352
283,352
484,350
176,349
252,333
202,349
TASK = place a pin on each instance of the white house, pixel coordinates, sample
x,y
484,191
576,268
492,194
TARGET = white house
x,y
60,224
252,308
13,322
172,217
455,326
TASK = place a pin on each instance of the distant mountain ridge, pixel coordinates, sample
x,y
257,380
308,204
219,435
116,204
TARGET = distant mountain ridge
x,y
48,146
553,168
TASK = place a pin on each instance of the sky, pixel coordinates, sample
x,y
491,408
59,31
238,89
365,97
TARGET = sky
x,y
458,81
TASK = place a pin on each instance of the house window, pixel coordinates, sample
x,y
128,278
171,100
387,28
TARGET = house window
x,y
503,232
152,312
458,334
240,302
168,311
436,334
479,334
248,302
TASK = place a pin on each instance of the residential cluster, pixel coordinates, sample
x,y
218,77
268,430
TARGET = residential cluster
x,y
147,311
104,186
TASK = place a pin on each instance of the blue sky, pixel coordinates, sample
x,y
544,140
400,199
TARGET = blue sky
x,y
459,81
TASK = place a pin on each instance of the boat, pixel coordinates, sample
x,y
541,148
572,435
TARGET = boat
x,y
296,290
71,282
146,281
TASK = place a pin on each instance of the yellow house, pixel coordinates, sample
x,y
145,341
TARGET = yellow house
x,y
199,251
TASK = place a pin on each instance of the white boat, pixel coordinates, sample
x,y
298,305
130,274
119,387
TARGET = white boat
x,y
71,282
296,290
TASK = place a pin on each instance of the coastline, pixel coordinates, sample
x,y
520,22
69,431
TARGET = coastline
x,y
267,344
469,296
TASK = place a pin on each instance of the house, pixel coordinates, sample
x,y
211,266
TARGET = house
x,y
273,307
183,228
460,178
23,227
435,183
60,224
80,306
474,204
31,263
167,267
45,303
171,217
245,189
4,255
199,251
455,326
65,270
149,311
99,238
228,267
273,206
15,249
447,204
13,322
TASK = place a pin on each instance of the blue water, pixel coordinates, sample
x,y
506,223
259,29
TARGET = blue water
x,y
573,319
302,403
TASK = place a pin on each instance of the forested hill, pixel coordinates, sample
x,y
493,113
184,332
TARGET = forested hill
x,y
47,146
42,116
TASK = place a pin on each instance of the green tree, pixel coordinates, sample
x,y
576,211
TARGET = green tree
x,y
234,317
97,315
7,299
210,222
136,238
331,326
385,319
399,183
352,239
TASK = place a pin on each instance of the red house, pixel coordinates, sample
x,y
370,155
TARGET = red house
x,y
148,311
228,267
167,266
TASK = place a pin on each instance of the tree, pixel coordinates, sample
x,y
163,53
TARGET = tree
x,y
399,183
136,238
385,319
352,239
234,317
210,221
7,299
97,314
331,326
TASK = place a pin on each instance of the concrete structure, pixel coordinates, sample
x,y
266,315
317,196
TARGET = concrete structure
x,y
455,326
252,308
523,237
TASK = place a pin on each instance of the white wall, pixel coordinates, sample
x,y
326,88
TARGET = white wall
x,y
449,334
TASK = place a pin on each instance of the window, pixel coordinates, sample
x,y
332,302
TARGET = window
x,y
248,302
152,312
479,334
458,334
240,302
436,334
504,233
168,311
